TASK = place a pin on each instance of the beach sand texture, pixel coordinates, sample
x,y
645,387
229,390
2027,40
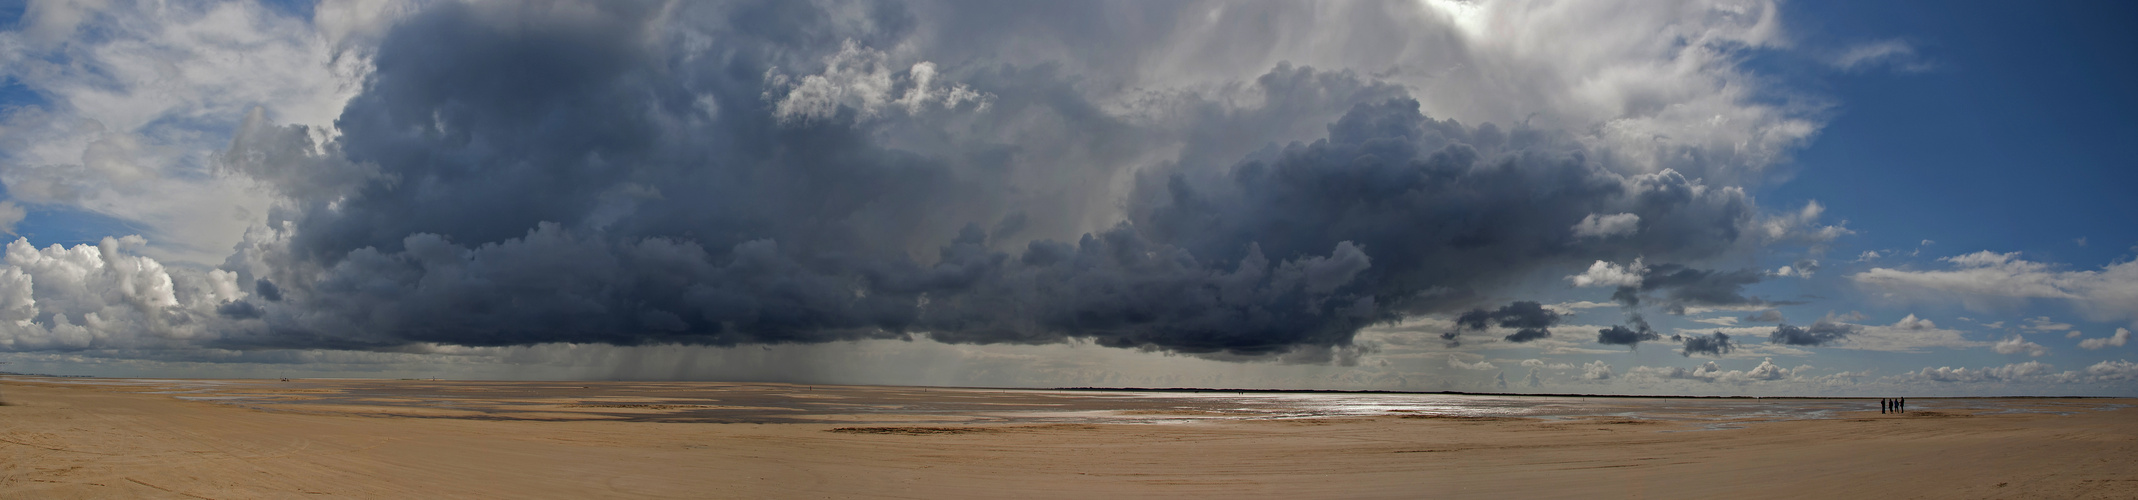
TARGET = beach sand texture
x,y
62,438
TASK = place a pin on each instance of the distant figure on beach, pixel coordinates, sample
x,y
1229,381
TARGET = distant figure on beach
x,y
1904,405
1884,405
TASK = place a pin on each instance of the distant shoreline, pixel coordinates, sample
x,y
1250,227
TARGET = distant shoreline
x,y
1126,389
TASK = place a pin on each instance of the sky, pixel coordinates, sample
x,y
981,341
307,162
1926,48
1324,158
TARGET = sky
x,y
1699,197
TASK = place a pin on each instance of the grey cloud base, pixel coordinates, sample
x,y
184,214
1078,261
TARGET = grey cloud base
x,y
1529,320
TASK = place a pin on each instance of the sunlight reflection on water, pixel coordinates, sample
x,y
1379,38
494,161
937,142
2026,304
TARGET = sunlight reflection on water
x,y
1709,413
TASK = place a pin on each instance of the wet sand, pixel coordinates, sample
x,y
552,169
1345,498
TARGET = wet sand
x,y
73,438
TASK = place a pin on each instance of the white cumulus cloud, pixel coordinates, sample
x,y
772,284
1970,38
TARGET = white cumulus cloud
x,y
106,296
2007,373
136,95
856,78
1910,334
1803,226
1608,274
2122,336
1456,362
2019,344
1602,226
10,215
1989,281
1713,372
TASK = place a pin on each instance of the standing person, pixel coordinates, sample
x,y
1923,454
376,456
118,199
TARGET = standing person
x,y
1903,405
1881,406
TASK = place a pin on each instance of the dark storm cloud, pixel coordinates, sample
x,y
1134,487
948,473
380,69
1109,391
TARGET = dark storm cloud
x,y
1455,206
1528,334
1714,344
238,310
267,290
1676,287
1621,335
1682,286
1820,333
601,176
1529,319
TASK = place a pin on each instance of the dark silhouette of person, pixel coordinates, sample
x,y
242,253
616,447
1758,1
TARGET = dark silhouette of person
x,y
1904,405
1881,406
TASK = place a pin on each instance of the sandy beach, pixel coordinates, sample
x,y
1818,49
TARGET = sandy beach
x,y
102,438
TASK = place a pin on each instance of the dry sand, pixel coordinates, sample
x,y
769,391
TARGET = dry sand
x,y
393,439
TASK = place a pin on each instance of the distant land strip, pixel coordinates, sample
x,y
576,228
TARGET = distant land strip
x,y
1526,394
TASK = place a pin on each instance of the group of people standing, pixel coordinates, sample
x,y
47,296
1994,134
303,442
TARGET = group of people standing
x,y
1892,405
